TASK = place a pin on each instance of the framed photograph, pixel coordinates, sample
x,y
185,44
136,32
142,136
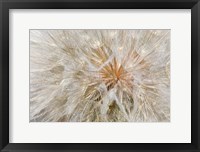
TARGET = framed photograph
x,y
99,75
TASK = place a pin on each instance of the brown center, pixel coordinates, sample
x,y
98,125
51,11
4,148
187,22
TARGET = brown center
x,y
112,73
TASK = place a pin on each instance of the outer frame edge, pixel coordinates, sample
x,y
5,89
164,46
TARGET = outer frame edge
x,y
2,69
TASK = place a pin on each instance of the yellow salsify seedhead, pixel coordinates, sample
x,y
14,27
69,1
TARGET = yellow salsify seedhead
x,y
100,75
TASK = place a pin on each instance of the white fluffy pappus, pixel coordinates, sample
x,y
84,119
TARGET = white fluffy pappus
x,y
99,75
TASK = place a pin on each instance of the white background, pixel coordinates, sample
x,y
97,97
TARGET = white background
x,y
177,131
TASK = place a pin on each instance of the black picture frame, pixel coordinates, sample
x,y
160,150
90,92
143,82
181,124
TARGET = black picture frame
x,y
5,5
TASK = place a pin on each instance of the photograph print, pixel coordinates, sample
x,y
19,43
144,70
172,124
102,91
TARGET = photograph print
x,y
99,75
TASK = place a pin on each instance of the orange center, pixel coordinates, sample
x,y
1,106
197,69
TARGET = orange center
x,y
112,73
